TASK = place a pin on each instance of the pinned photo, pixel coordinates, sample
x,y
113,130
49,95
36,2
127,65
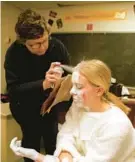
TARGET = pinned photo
x,y
53,14
89,27
59,23
50,22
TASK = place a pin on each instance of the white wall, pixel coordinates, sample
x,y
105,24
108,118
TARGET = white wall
x,y
8,19
9,130
105,17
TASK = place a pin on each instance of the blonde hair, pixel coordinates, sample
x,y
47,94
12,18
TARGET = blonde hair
x,y
99,74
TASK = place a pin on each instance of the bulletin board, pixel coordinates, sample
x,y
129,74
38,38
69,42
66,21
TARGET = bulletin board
x,y
115,49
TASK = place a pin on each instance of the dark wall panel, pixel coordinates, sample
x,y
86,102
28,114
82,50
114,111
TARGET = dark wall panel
x,y
116,49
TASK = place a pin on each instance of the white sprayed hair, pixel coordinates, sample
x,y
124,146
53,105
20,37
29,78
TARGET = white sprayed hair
x,y
99,74
96,72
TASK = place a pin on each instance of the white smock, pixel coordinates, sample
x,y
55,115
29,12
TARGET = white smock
x,y
97,137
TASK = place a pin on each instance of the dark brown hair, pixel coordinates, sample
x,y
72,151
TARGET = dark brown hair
x,y
30,25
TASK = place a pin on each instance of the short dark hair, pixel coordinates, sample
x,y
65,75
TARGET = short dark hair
x,y
30,25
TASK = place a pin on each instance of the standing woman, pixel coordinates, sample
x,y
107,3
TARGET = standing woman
x,y
29,67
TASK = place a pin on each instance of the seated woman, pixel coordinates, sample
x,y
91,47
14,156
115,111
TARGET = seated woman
x,y
97,128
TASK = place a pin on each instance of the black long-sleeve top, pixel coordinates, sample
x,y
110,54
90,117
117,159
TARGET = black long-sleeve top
x,y
25,73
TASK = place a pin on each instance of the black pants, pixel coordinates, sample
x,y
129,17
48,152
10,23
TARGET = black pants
x,y
35,126
45,127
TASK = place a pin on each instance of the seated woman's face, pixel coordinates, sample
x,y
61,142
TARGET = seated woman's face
x,y
84,93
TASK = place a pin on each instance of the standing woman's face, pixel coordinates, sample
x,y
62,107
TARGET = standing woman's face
x,y
83,92
38,46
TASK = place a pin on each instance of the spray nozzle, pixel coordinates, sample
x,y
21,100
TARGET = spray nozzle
x,y
67,68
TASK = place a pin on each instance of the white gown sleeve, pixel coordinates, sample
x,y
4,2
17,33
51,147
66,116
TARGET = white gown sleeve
x,y
50,158
65,138
110,145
